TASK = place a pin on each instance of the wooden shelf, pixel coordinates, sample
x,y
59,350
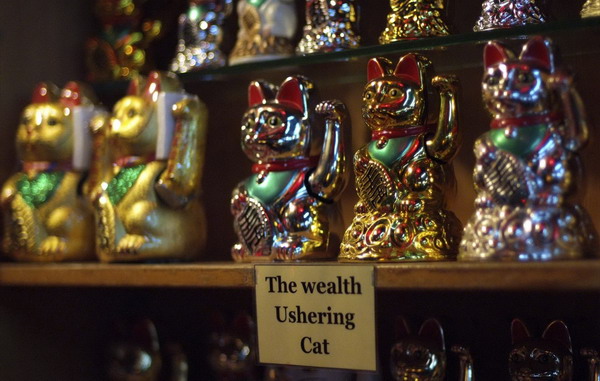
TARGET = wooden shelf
x,y
556,276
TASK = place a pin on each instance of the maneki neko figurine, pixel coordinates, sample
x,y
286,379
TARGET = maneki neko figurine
x,y
403,173
411,19
547,358
200,32
266,28
330,26
498,14
591,8
46,216
527,166
284,210
147,172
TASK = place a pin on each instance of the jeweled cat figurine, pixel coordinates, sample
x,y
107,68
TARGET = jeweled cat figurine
x,y
419,357
497,14
527,166
547,358
283,211
266,28
330,26
147,173
46,215
412,19
200,32
403,173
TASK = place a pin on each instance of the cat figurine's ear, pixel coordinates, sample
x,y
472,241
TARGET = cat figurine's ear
x,y
291,93
519,331
76,94
377,68
408,67
495,53
538,50
402,329
136,85
432,330
558,331
259,92
44,92
144,334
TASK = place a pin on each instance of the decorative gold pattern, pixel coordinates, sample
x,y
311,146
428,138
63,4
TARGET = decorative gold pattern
x,y
591,8
403,173
411,19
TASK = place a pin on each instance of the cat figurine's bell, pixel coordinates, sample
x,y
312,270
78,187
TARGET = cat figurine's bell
x,y
527,168
404,172
285,210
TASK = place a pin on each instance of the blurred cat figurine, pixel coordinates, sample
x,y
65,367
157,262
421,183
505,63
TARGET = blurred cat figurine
x,y
135,355
403,173
289,373
46,216
419,357
593,360
527,167
232,355
547,358
200,32
148,164
283,211
266,28
120,49
330,26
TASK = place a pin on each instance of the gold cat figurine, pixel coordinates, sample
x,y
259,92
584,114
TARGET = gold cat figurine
x,y
46,217
403,173
145,184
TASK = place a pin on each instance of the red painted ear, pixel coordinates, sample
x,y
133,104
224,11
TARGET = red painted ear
x,y
558,331
519,331
71,95
135,86
144,334
432,330
43,93
255,94
494,53
539,50
290,93
402,329
152,86
374,69
409,67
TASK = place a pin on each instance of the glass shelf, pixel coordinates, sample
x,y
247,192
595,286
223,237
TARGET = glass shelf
x,y
569,27
397,47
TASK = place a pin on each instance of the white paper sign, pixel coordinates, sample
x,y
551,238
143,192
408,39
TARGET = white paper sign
x,y
316,315
166,122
